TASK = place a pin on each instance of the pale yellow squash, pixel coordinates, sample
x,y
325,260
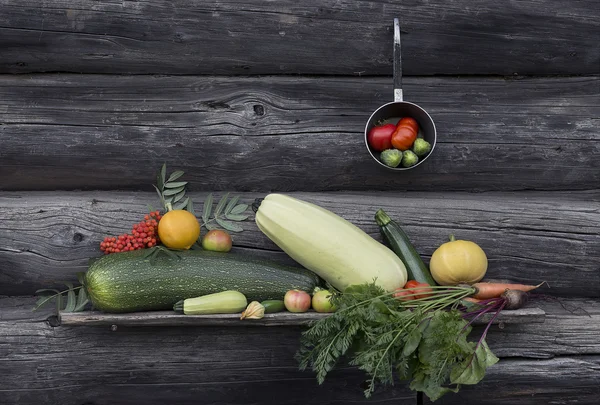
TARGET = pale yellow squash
x,y
458,262
332,247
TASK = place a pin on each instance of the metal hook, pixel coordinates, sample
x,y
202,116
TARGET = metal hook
x,y
397,62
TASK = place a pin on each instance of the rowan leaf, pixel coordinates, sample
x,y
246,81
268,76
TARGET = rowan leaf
x,y
175,175
82,300
221,205
235,217
163,175
208,202
238,209
230,226
173,191
182,205
231,204
190,206
179,196
71,298
175,184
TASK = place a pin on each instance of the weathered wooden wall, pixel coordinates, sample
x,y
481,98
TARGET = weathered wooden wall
x,y
251,365
309,37
252,97
529,237
271,133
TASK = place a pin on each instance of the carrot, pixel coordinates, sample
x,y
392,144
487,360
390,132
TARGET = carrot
x,y
486,291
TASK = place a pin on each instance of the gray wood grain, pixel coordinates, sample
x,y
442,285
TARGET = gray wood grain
x,y
168,318
306,134
565,380
253,365
325,37
571,327
528,237
211,365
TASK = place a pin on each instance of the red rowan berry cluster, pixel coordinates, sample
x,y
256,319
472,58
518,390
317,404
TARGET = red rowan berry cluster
x,y
143,235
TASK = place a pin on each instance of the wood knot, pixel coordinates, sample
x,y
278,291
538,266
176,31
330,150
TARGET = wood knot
x,y
78,237
259,110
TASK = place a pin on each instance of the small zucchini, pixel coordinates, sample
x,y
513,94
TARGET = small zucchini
x,y
225,302
400,244
272,306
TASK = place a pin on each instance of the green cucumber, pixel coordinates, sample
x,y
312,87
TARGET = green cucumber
x,y
130,281
401,245
225,302
272,306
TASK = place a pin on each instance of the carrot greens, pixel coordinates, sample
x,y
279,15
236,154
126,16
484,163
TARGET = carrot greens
x,y
421,341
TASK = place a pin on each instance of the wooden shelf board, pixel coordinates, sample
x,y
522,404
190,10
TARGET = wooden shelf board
x,y
170,318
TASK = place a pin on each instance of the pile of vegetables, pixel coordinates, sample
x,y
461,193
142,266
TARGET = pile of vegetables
x,y
391,315
417,331
399,144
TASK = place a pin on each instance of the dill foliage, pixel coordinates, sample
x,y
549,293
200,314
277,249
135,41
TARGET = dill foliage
x,y
376,333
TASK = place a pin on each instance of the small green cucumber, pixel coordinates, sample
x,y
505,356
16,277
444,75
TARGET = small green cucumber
x,y
273,306
225,302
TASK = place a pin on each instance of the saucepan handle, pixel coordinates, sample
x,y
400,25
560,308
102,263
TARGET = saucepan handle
x,y
397,62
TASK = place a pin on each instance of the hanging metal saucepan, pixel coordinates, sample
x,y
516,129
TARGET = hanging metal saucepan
x,y
391,113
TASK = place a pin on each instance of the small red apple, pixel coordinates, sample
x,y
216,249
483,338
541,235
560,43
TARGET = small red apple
x,y
217,240
297,301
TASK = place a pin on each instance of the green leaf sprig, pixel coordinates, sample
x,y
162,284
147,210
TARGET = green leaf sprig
x,y
172,192
224,214
76,297
424,342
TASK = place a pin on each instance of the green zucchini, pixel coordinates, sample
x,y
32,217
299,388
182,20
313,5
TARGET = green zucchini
x,y
272,306
401,245
225,302
130,281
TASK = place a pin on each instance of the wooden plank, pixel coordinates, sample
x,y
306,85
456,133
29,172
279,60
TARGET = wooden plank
x,y
528,237
567,380
256,37
40,364
571,327
204,365
169,318
305,134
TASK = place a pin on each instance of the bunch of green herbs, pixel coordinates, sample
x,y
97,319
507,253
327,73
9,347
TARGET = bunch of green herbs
x,y
424,343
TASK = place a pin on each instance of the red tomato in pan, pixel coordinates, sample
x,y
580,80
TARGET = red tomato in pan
x,y
410,122
380,137
405,134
